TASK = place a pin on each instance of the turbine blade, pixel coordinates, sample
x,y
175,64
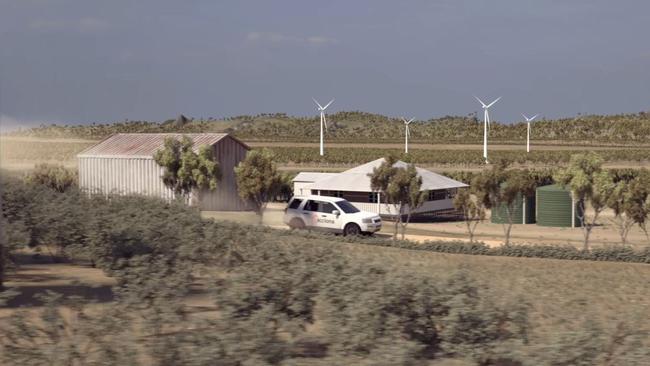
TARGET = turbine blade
x,y
404,119
325,121
525,117
328,104
490,105
533,117
411,120
318,104
480,101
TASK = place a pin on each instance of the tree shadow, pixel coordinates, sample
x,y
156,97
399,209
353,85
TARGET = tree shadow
x,y
29,296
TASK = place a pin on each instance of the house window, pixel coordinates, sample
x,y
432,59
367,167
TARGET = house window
x,y
373,197
438,195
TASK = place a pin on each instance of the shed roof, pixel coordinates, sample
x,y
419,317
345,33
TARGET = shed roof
x,y
358,180
144,145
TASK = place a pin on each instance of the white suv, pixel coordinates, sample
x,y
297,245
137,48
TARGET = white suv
x,y
329,214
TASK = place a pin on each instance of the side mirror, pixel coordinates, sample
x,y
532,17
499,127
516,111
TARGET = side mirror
x,y
336,212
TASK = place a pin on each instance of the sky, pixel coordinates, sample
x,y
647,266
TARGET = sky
x,y
83,61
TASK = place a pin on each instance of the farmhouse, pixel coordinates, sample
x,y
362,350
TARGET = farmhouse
x,y
124,164
354,186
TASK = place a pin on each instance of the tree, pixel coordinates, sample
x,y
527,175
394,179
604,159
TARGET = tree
x,y
186,170
473,210
638,201
400,187
56,177
258,180
588,183
518,185
619,201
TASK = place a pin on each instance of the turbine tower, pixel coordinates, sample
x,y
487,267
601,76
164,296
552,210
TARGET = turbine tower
x,y
407,134
323,121
528,121
486,124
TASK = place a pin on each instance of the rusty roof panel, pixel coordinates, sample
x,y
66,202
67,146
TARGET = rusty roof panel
x,y
144,144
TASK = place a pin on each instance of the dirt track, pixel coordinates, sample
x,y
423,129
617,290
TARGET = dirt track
x,y
491,234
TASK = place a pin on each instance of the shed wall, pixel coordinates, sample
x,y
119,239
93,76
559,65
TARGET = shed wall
x,y
523,213
229,153
122,176
554,208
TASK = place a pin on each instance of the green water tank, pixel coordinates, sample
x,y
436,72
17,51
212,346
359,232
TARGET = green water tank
x,y
524,212
556,207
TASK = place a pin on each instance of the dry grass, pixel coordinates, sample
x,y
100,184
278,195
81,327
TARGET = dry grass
x,y
562,295
558,291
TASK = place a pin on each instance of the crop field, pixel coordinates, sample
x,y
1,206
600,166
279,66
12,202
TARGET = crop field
x,y
21,153
362,154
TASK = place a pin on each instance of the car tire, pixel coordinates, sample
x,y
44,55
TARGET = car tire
x,y
296,224
352,229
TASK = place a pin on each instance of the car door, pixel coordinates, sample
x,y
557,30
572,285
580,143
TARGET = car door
x,y
326,219
309,214
318,215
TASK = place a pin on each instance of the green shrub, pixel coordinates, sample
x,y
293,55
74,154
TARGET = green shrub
x,y
56,177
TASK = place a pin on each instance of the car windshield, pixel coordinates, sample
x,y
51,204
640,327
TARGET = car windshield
x,y
347,207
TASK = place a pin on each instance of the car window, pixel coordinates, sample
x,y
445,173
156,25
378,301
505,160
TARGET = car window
x,y
347,207
311,206
326,207
295,203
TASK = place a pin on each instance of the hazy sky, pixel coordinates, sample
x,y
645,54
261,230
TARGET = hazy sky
x,y
81,61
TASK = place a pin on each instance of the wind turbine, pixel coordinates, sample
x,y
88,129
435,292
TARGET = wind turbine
x,y
486,124
528,121
323,121
407,134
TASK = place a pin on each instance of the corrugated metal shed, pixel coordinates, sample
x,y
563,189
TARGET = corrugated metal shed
x,y
524,212
556,207
123,164
144,145
358,180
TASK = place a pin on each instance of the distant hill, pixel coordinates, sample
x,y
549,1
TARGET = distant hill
x,y
356,126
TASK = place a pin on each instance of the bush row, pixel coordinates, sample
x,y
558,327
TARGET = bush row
x,y
351,155
621,253
359,126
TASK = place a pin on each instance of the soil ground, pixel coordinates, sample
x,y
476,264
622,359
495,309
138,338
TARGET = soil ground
x,y
491,234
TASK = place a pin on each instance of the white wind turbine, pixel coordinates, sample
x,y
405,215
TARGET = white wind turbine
x,y
407,134
323,121
486,124
528,121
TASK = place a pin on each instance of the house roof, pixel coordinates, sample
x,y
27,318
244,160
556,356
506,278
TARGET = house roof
x,y
312,177
144,145
358,180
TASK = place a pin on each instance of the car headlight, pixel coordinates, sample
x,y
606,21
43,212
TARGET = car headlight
x,y
367,221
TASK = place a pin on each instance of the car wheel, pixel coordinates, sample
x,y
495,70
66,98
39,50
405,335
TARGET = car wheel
x,y
352,229
296,224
